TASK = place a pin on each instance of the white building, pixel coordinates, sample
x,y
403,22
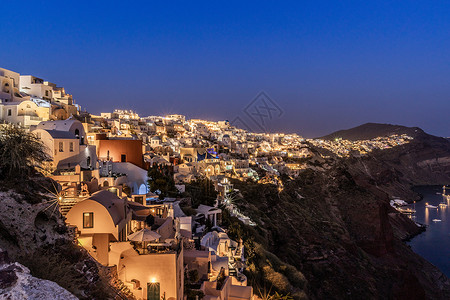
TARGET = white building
x,y
27,100
65,143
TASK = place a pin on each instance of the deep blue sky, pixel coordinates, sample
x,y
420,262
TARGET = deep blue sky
x,y
328,64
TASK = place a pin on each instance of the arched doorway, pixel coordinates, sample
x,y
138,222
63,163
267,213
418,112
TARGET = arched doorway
x,y
142,189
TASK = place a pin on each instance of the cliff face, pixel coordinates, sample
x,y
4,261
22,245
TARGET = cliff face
x,y
369,131
423,161
341,237
33,234
337,228
17,283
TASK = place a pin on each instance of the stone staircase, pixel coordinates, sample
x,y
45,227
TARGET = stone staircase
x,y
119,288
123,291
66,204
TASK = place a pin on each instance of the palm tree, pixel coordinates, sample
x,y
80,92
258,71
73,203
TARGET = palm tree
x,y
21,152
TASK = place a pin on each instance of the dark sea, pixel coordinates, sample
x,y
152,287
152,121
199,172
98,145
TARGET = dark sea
x,y
434,243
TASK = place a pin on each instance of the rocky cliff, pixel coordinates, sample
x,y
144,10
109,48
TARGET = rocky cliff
x,y
423,161
369,131
16,282
33,234
335,226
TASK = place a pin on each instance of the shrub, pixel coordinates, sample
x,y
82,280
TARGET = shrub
x,y
21,152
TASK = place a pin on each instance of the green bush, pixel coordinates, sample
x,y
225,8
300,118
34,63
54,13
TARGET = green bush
x,y
201,191
20,152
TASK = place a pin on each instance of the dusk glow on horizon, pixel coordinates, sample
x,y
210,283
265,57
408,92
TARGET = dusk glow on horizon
x,y
241,150
325,65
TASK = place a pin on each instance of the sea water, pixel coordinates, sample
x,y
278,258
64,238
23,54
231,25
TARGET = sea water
x,y
434,243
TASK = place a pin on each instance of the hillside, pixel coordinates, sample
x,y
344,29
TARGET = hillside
x,y
17,283
423,161
369,131
337,230
342,238
40,246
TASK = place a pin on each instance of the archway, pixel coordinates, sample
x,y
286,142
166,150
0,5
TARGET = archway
x,y
142,189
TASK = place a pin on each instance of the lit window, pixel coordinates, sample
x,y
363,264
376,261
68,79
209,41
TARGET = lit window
x,y
61,147
71,147
113,190
88,220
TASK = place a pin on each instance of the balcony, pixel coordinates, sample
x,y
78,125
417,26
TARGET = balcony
x,y
27,113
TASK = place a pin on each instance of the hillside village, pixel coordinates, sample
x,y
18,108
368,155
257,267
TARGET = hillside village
x,y
124,181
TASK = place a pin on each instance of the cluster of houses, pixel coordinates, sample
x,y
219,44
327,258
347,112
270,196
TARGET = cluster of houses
x,y
101,164
28,100
343,148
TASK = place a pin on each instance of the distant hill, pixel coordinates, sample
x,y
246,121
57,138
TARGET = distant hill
x,y
372,130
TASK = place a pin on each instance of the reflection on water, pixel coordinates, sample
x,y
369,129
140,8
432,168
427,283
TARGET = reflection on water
x,y
434,243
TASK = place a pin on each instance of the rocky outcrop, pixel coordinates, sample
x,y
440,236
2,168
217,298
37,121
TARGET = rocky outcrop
x,y
369,131
30,225
34,234
342,234
16,283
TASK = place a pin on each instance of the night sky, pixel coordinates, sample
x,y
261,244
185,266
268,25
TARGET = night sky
x,y
328,65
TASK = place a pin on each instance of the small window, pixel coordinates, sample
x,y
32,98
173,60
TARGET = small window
x,y
61,147
71,147
139,199
114,190
123,158
88,220
9,112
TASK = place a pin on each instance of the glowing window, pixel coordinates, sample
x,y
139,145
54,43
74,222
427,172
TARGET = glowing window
x,y
88,220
